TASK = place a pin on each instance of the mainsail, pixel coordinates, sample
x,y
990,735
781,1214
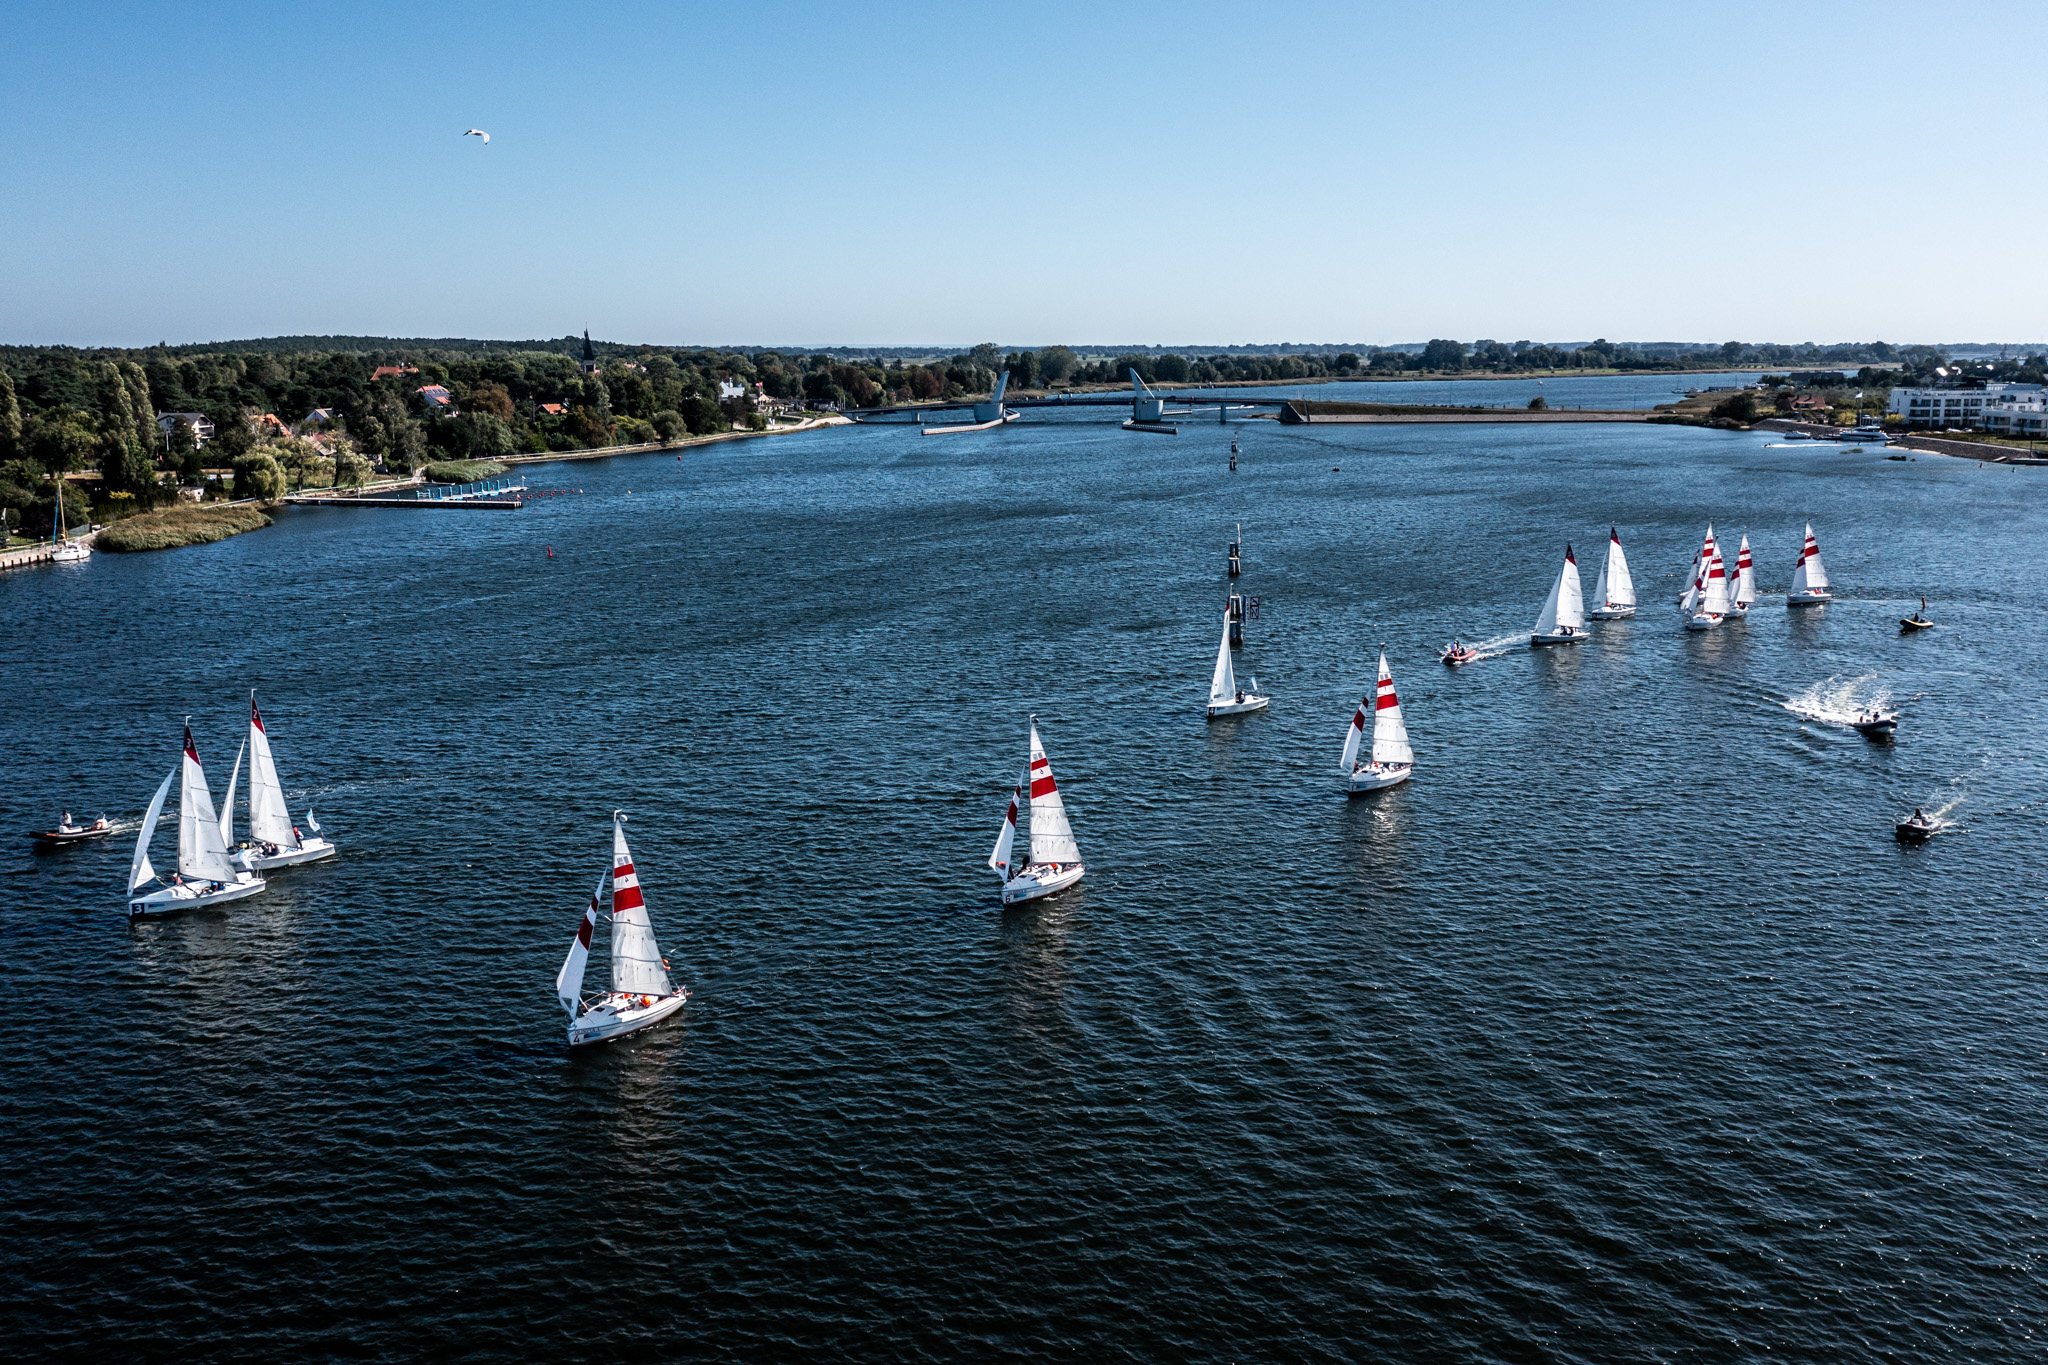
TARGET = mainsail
x,y
1566,605
227,803
1052,838
1745,576
636,958
270,822
1352,735
140,871
1223,682
1809,576
569,981
201,854
1714,600
1619,589
999,861
1389,733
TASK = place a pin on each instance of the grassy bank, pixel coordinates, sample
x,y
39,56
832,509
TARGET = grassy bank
x,y
170,528
463,471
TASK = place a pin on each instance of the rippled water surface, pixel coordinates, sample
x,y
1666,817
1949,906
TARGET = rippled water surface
x,y
1624,1032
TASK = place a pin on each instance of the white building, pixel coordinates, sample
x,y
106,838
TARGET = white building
x,y
1959,407
202,430
2019,410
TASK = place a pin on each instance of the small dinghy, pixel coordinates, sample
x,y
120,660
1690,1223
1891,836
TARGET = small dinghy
x,y
1563,618
68,832
1054,863
642,993
1809,578
1616,591
1458,652
204,876
274,841
1916,828
1917,621
1393,761
1226,698
1876,723
1744,581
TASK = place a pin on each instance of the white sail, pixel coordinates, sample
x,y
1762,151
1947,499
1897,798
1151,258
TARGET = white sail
x,y
1052,838
1816,576
1352,735
569,981
1389,732
201,854
1546,620
1619,589
999,860
1714,599
270,821
1566,605
1745,576
636,958
227,803
140,871
1223,682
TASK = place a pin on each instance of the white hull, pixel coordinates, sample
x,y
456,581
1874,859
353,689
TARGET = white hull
x,y
310,851
615,1016
1041,879
1703,621
1611,613
1563,635
70,552
1740,612
1238,708
1374,776
191,895
1812,597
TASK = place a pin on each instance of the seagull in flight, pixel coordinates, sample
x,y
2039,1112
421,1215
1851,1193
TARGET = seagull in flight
x,y
478,132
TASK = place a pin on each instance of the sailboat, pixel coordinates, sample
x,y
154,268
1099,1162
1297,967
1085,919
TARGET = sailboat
x,y
1563,620
1745,581
1226,698
1055,860
1809,579
1616,591
1392,760
63,549
1708,604
204,876
274,841
642,992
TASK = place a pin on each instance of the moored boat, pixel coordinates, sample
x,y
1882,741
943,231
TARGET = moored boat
x,y
63,549
1563,618
642,992
1054,862
1392,759
1615,592
1809,577
205,876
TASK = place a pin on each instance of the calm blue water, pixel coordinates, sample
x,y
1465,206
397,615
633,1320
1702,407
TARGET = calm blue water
x,y
1625,1032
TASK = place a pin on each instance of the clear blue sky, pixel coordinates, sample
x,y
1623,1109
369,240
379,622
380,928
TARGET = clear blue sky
x,y
884,173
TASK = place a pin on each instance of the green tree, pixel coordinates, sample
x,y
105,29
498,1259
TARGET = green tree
x,y
192,470
1055,364
258,475
668,425
10,418
60,439
124,467
1440,354
351,470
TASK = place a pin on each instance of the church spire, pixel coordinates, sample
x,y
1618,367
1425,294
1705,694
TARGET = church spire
x,y
589,354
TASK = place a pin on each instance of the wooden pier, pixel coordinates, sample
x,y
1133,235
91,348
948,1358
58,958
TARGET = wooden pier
x,y
488,493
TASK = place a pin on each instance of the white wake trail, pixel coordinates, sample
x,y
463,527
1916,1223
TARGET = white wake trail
x,y
1836,702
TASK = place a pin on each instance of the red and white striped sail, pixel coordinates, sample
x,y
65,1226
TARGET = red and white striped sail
x,y
999,860
1353,735
1389,732
636,957
1745,576
569,981
1714,598
1809,576
201,854
1052,838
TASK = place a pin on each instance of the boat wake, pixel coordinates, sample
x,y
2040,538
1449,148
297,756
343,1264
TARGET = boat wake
x,y
1836,702
1937,805
1497,646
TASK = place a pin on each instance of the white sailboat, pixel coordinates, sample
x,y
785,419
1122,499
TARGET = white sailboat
x,y
1616,591
1226,698
1745,581
1563,619
274,841
642,992
1809,579
1708,604
204,876
1055,860
1393,761
63,549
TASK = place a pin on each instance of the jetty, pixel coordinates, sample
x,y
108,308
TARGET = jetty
x,y
24,555
506,493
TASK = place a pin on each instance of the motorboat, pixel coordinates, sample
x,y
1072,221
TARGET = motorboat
x,y
1799,436
1917,621
1226,698
1809,577
274,841
70,832
1458,652
1054,862
1867,436
1916,828
1392,760
1876,723
205,876
1563,618
642,992
1615,592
